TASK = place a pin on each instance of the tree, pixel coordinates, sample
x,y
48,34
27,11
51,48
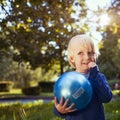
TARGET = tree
x,y
110,52
38,31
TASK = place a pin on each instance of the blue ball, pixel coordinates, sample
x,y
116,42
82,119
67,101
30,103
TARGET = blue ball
x,y
74,86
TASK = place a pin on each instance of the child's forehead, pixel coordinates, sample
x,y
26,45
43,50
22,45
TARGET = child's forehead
x,y
82,49
82,45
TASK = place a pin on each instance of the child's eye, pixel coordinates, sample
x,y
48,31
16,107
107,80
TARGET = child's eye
x,y
91,53
80,53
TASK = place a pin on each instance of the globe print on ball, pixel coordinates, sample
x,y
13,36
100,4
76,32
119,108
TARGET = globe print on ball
x,y
76,87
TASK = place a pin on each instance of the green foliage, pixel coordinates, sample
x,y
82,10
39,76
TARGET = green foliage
x,y
109,58
112,110
5,86
28,35
31,90
44,86
113,82
30,111
22,75
38,38
110,52
5,65
116,93
44,111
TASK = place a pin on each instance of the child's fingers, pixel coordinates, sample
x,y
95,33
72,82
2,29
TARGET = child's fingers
x,y
92,64
61,101
66,103
70,107
72,110
62,106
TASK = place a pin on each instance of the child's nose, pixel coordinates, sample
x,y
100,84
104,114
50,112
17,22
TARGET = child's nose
x,y
86,56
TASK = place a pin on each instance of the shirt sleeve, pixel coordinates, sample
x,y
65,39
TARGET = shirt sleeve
x,y
100,85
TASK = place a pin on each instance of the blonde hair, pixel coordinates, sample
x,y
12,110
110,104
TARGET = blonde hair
x,y
83,41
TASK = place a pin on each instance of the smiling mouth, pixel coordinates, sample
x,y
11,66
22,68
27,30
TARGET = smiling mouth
x,y
85,63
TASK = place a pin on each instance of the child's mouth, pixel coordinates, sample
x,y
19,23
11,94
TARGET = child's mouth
x,y
85,63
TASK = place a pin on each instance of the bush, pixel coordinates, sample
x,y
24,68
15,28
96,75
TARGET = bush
x,y
5,86
46,86
31,90
113,82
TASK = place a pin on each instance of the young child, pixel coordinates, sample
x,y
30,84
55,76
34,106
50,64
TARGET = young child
x,y
82,55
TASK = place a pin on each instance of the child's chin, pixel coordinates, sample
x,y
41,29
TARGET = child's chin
x,y
85,67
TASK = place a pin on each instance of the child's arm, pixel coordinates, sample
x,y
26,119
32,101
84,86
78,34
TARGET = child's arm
x,y
99,84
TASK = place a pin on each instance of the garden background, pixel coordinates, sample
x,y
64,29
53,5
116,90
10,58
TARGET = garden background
x,y
33,41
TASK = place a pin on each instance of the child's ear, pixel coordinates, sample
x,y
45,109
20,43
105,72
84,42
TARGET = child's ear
x,y
72,59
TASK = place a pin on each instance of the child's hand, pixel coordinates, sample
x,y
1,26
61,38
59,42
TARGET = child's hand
x,y
92,64
62,107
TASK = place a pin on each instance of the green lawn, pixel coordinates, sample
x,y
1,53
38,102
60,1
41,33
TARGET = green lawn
x,y
39,110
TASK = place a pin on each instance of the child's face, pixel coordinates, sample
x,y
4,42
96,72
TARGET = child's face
x,y
82,57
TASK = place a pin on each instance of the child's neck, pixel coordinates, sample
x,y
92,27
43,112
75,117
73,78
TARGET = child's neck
x,y
83,72
86,74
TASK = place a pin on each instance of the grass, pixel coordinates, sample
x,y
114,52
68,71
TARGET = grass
x,y
112,110
30,111
39,110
